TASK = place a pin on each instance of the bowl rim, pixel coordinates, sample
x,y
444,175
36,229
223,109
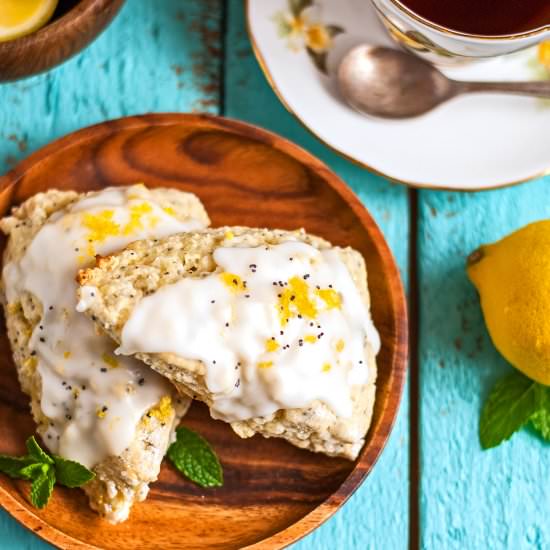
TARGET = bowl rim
x,y
399,358
54,29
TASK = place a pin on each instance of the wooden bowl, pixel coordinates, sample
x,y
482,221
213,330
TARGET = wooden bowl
x,y
74,25
274,493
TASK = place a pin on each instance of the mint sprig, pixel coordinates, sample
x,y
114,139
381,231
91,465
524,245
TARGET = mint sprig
x,y
192,455
70,473
513,402
44,471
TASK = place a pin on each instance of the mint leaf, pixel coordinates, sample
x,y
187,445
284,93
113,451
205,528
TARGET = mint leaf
x,y
36,452
42,488
541,422
541,418
192,455
71,473
32,471
510,405
13,466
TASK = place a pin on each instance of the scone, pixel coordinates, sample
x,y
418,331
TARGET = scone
x,y
271,329
114,415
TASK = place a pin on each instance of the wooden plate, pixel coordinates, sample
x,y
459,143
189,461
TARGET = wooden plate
x,y
274,493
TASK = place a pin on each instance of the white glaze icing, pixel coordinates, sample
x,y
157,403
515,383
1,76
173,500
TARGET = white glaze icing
x,y
93,399
227,320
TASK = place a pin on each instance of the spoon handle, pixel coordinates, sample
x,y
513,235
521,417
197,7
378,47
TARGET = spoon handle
x,y
535,88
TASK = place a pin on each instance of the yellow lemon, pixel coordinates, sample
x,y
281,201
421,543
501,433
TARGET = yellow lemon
x,y
20,17
512,277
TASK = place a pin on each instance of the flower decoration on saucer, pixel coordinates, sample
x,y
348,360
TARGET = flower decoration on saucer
x,y
302,26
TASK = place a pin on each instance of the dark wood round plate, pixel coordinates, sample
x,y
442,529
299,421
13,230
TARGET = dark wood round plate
x,y
274,493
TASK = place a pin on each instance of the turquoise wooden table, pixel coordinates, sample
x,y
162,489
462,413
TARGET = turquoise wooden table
x,y
433,486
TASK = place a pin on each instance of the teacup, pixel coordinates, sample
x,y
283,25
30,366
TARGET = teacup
x,y
444,45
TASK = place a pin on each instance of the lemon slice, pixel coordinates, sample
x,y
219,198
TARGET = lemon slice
x,y
20,17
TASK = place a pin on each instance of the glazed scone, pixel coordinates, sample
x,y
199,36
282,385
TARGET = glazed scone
x,y
270,328
113,415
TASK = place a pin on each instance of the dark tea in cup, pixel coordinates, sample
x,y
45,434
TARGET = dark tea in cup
x,y
485,17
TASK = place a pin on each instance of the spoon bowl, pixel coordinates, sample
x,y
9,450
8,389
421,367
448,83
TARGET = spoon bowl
x,y
392,83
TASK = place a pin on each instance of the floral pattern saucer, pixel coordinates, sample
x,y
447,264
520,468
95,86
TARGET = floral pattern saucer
x,y
479,141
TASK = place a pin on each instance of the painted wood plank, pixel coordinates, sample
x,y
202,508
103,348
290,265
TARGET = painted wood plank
x,y
156,56
377,515
470,498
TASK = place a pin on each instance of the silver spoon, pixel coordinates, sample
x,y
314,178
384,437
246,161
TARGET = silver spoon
x,y
395,84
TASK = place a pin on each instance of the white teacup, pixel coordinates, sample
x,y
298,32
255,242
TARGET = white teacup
x,y
442,45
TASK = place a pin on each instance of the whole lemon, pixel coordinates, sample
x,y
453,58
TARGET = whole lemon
x,y
512,277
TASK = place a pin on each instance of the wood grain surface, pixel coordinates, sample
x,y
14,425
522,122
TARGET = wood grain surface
x,y
274,493
74,25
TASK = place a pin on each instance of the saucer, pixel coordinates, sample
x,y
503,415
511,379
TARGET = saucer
x,y
472,142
